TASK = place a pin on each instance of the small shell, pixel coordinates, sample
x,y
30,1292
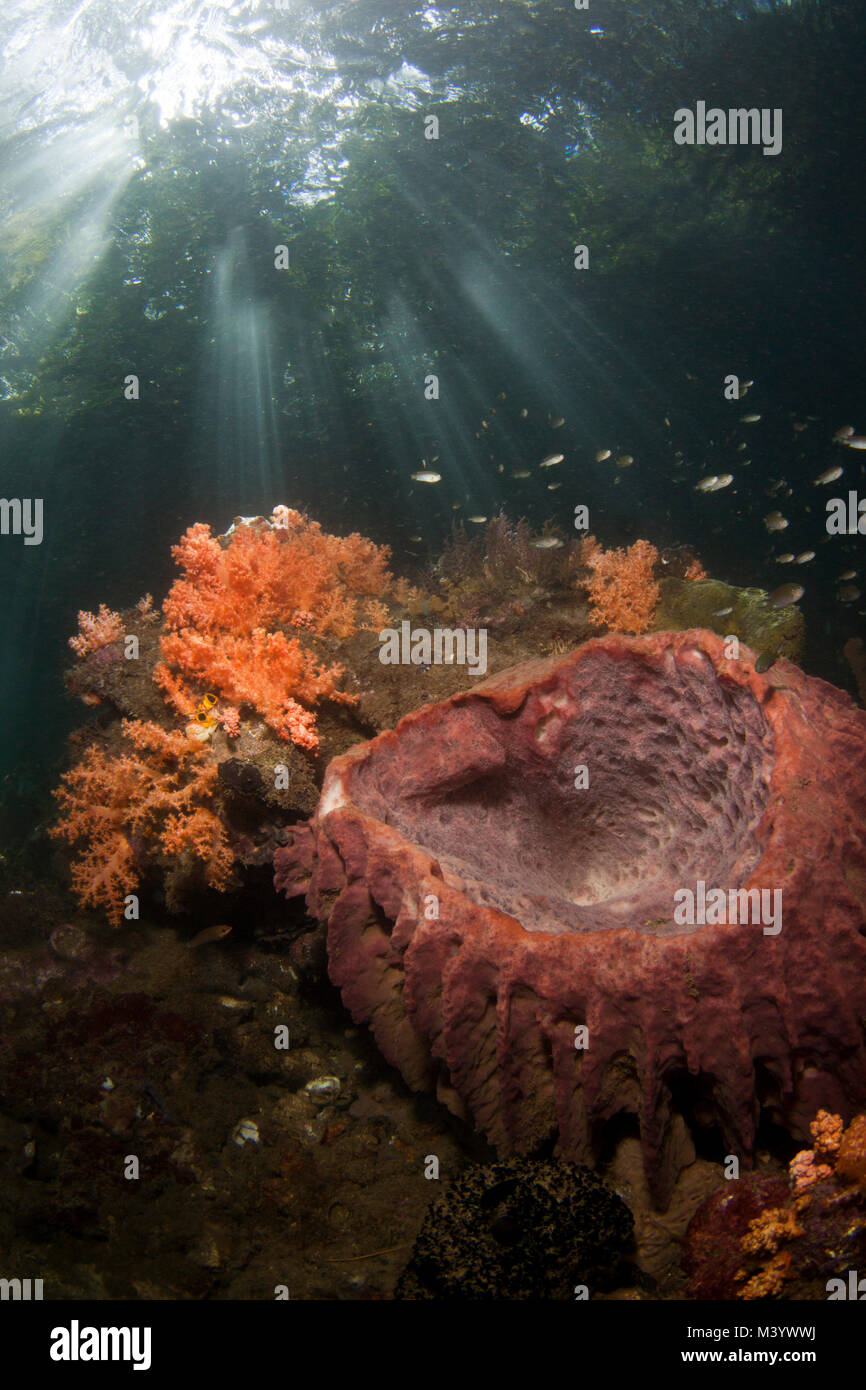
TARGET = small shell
x,y
245,1132
323,1089
198,732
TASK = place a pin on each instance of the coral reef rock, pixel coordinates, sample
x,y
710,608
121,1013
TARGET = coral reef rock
x,y
723,609
508,927
519,1230
800,1238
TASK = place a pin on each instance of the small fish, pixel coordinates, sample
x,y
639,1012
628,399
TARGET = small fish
x,y
786,594
556,421
799,426
521,473
602,455
750,419
524,412
551,460
501,396
548,543
857,441
774,521
849,574
707,484
806,556
551,487
416,539
849,593
786,559
723,480
723,612
829,475
844,433
624,461
209,934
765,661
741,448
425,476
477,520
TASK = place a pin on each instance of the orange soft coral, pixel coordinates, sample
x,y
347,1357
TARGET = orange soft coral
x,y
226,614
96,630
151,800
622,590
823,1209
263,576
258,670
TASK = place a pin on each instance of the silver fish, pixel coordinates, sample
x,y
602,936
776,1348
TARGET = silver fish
x,y
829,475
786,594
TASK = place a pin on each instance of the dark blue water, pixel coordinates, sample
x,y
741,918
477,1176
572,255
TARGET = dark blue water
x,y
150,169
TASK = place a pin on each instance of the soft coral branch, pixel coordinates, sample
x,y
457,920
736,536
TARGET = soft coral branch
x,y
622,590
154,799
226,615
